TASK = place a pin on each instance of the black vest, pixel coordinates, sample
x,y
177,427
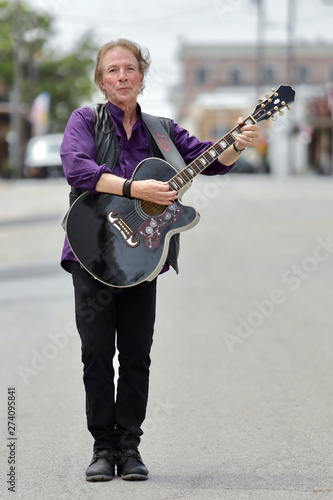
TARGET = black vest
x,y
107,152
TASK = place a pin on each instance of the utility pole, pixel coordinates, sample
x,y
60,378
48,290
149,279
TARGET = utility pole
x,y
260,44
291,40
16,97
291,73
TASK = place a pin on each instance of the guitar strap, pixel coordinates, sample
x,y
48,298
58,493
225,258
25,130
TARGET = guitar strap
x,y
167,147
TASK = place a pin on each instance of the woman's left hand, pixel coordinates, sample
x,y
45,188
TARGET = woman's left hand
x,y
249,136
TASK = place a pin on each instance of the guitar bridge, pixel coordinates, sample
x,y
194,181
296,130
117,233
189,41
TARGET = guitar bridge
x,y
126,232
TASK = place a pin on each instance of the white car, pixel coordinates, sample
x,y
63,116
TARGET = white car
x,y
42,157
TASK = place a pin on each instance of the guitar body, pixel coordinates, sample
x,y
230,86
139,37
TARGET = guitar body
x,y
123,242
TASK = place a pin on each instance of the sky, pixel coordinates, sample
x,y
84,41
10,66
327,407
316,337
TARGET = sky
x,y
162,27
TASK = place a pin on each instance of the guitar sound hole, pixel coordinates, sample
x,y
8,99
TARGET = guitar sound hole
x,y
152,208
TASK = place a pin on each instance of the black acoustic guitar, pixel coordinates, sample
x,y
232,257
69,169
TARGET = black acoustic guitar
x,y
124,242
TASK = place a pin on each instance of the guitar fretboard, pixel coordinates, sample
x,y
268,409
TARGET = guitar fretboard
x,y
197,166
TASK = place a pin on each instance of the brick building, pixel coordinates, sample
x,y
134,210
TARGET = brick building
x,y
220,82
207,68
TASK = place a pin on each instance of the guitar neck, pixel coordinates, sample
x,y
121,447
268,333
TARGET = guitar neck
x,y
203,161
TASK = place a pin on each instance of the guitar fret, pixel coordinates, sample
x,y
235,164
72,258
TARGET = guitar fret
x,y
230,139
199,167
179,180
188,171
185,180
217,148
207,158
185,176
173,184
211,154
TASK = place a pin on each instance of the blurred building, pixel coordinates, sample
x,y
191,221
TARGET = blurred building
x,y
319,132
6,139
222,82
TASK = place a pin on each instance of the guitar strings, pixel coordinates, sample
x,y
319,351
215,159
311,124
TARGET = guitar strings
x,y
183,178
180,180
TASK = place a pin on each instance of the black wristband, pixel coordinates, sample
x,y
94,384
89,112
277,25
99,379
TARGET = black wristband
x,y
127,188
239,151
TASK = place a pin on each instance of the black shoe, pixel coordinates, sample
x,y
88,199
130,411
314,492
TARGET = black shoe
x,y
101,467
130,465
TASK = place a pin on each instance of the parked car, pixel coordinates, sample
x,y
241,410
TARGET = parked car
x,y
42,158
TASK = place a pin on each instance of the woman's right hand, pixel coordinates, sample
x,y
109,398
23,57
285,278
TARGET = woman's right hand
x,y
153,191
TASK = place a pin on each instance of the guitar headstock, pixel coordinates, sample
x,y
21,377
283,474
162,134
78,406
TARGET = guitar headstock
x,y
279,99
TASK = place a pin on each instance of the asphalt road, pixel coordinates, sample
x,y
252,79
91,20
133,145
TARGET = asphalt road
x,y
241,383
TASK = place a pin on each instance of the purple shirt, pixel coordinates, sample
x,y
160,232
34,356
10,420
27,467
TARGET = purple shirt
x,y
78,153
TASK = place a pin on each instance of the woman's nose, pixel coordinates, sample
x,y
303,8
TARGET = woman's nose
x,y
122,74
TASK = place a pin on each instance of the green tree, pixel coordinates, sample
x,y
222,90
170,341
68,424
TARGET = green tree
x,y
34,30
67,77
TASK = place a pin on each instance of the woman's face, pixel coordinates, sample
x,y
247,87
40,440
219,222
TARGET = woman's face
x,y
121,77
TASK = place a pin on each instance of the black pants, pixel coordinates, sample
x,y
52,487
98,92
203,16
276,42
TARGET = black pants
x,y
107,318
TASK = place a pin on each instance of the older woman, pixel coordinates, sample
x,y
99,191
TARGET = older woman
x,y
106,317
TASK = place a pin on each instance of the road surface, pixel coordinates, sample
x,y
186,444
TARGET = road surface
x,y
240,401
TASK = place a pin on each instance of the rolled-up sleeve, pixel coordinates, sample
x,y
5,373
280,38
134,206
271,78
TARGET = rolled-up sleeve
x,y
190,148
78,151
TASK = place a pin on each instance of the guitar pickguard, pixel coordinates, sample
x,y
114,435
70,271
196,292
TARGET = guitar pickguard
x,y
126,232
151,228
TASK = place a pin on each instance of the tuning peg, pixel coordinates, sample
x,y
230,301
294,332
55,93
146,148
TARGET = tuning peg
x,y
260,101
266,95
288,107
273,90
281,113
